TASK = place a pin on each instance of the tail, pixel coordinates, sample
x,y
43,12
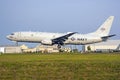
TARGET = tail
x,y
104,29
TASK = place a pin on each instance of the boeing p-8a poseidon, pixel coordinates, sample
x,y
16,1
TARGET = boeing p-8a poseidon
x,y
46,38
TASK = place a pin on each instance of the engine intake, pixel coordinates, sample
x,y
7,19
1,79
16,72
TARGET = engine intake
x,y
46,42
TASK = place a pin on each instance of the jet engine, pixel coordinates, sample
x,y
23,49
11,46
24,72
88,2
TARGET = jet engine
x,y
46,42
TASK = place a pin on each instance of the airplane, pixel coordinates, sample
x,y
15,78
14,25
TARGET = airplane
x,y
48,38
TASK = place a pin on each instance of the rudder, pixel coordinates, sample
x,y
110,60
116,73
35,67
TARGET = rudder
x,y
104,29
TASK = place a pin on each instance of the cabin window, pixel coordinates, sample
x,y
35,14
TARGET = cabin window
x,y
12,33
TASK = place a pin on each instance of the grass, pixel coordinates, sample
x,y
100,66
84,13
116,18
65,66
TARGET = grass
x,y
60,66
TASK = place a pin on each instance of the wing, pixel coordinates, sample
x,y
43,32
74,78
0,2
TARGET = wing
x,y
60,40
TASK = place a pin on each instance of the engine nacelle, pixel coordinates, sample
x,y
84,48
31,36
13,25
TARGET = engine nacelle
x,y
46,42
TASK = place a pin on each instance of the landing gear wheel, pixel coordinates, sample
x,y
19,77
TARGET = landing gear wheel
x,y
59,46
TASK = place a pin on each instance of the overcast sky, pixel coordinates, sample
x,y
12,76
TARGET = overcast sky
x,y
81,16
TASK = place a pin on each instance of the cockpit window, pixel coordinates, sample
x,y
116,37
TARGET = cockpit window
x,y
12,34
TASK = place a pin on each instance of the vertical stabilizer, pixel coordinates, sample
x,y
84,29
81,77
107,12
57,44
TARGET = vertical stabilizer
x,y
104,29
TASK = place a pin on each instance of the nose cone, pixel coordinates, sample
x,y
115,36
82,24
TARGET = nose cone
x,y
9,37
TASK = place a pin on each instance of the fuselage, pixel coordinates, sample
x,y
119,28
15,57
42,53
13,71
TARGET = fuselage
x,y
47,38
38,37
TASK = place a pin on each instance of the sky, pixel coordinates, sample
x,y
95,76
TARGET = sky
x,y
82,16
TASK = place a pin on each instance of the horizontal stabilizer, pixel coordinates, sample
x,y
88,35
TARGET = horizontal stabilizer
x,y
106,37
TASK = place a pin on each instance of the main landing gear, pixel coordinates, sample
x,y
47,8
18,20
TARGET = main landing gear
x,y
59,46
